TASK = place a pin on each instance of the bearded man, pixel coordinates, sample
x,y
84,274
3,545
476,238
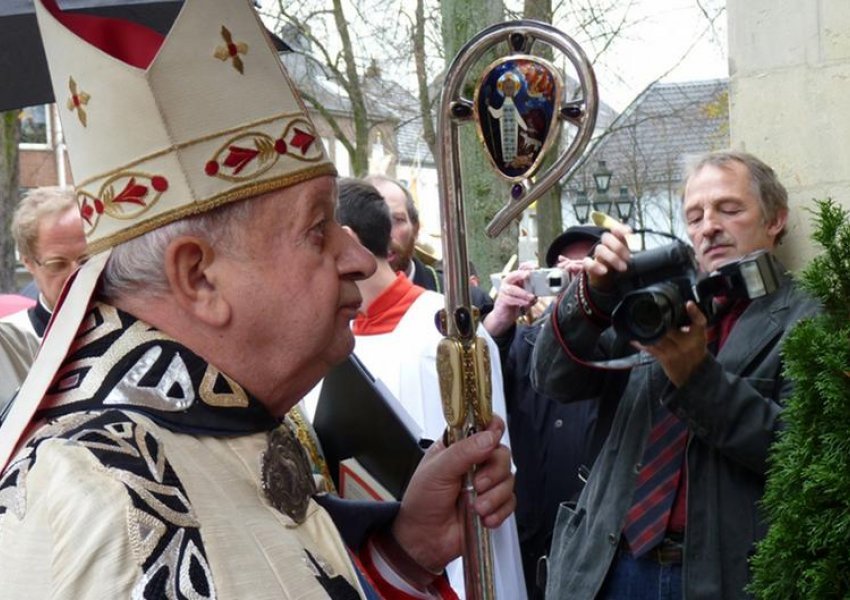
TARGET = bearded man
x,y
405,230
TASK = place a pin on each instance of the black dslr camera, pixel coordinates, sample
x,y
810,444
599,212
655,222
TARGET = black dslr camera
x,y
658,283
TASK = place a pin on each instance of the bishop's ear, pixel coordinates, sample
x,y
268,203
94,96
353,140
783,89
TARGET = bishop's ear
x,y
192,267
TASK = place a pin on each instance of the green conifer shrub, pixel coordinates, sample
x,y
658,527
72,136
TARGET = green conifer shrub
x,y
806,553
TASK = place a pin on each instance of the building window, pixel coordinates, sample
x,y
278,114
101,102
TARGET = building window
x,y
35,126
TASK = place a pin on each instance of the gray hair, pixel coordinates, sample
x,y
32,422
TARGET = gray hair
x,y
772,195
139,264
410,204
37,204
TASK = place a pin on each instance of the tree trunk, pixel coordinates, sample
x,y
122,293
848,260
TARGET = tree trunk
x,y
360,151
425,109
549,221
484,193
10,135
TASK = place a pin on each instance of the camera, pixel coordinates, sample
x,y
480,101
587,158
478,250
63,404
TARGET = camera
x,y
659,282
545,282
540,282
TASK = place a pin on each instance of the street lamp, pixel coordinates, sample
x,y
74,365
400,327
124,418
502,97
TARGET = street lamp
x,y
582,206
602,178
625,204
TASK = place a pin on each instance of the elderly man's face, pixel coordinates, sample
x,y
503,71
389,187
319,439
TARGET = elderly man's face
x,y
60,245
724,217
292,279
404,232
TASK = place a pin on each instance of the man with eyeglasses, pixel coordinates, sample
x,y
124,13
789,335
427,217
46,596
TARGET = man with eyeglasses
x,y
48,233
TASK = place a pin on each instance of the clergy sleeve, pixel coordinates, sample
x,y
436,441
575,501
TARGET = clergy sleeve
x,y
395,575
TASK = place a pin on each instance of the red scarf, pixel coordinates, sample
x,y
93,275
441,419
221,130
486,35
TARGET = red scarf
x,y
385,311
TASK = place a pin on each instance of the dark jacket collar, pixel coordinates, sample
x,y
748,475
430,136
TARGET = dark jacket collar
x,y
39,316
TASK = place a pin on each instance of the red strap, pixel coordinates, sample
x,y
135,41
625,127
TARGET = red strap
x,y
127,41
439,587
556,330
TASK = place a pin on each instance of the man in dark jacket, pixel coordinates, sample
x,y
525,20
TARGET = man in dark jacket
x,y
670,508
556,443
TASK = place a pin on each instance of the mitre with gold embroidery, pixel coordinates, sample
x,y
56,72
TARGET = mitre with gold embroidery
x,y
159,128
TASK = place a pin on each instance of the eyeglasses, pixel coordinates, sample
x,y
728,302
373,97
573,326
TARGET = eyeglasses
x,y
58,265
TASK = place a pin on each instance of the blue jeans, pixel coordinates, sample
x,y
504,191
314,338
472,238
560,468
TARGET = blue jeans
x,y
631,578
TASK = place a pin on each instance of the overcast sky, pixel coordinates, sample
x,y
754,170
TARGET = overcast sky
x,y
661,34
658,35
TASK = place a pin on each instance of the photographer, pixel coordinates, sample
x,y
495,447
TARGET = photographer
x,y
554,444
670,507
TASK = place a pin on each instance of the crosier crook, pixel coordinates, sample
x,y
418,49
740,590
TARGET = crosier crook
x,y
463,361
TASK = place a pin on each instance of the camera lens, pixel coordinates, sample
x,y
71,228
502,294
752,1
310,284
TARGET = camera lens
x,y
646,315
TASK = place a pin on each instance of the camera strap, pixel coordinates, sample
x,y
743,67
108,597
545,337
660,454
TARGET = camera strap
x,y
621,364
723,316
612,364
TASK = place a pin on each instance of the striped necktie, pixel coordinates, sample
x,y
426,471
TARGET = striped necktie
x,y
657,482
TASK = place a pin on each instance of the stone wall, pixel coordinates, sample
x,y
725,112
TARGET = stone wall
x,y
789,66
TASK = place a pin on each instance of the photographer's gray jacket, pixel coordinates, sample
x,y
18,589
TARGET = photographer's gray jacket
x,y
731,405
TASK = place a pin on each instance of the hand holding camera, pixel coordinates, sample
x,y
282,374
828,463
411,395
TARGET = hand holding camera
x,y
610,258
665,302
681,350
513,299
539,282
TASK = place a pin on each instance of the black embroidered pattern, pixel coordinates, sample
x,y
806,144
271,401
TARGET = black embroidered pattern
x,y
114,351
168,540
118,366
337,587
12,491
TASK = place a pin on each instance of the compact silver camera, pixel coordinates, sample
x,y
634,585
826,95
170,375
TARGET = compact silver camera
x,y
540,282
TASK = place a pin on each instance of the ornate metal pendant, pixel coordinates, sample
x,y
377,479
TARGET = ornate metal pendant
x,y
287,476
516,108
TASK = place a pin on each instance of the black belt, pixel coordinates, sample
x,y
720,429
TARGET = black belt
x,y
668,552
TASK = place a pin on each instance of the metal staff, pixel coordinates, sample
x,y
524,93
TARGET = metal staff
x,y
518,109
